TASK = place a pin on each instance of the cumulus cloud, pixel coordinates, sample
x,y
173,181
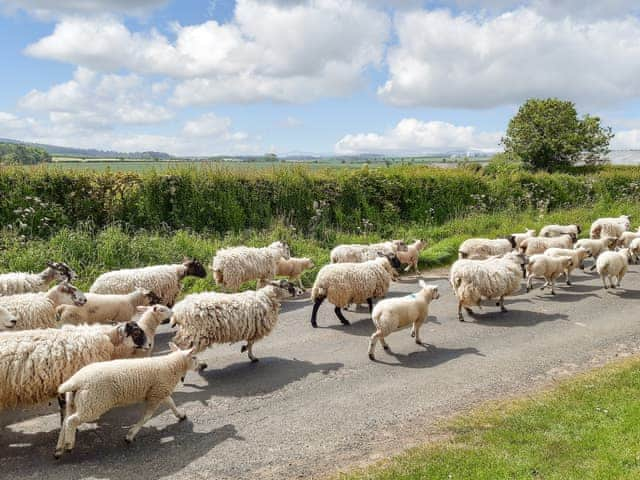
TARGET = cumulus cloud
x,y
411,136
471,61
626,140
55,8
210,125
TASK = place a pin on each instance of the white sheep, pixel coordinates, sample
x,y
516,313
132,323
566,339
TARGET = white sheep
x,y
494,278
348,283
577,256
236,265
613,265
634,246
412,255
204,319
393,314
536,245
97,388
38,310
610,226
293,268
482,248
7,319
103,308
547,267
519,237
625,238
148,319
557,230
163,280
34,363
22,282
596,246
358,253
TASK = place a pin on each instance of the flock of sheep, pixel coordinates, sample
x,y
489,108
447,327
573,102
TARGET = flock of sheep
x,y
92,351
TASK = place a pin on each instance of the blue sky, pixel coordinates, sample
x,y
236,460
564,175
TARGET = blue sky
x,y
200,77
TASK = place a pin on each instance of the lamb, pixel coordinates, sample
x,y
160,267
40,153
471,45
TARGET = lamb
x,y
357,253
635,249
482,248
519,237
163,280
596,246
493,278
38,310
22,282
625,238
34,363
613,265
293,268
7,319
557,230
106,308
612,227
393,314
347,283
412,255
236,265
536,245
547,267
149,319
207,318
97,388
577,258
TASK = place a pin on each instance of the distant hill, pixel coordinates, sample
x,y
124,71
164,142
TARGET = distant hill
x,y
91,152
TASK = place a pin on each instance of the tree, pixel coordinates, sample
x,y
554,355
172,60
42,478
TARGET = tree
x,y
547,134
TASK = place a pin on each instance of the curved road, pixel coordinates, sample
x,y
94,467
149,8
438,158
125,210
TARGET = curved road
x,y
315,403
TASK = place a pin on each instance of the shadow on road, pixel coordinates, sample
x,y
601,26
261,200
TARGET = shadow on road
x,y
425,357
514,318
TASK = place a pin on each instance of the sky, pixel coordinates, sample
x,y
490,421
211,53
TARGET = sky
x,y
397,77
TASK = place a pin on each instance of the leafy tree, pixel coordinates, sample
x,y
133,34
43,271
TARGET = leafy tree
x,y
547,134
14,153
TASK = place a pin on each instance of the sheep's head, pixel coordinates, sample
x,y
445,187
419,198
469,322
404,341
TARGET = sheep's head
x,y
574,237
283,248
516,257
610,242
399,245
61,272
7,319
578,229
392,265
566,261
284,288
70,295
512,240
191,360
195,268
420,243
132,333
160,313
429,291
308,263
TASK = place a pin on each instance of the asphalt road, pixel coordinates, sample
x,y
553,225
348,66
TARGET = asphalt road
x,y
315,403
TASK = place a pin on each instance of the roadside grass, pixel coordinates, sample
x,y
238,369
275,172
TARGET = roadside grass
x,y
585,428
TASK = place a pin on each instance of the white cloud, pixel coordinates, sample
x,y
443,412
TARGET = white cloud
x,y
555,8
55,8
210,125
626,140
411,136
292,122
480,62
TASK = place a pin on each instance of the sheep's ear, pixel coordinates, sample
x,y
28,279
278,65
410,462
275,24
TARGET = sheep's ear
x,y
173,347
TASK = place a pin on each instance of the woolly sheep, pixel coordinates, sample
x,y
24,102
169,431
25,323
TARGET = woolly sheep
x,y
292,268
97,388
22,282
34,363
596,246
236,265
38,310
577,258
412,255
613,265
101,308
610,226
393,314
7,319
557,230
163,280
204,319
358,253
482,248
347,283
625,238
536,245
494,278
547,267
519,237
634,246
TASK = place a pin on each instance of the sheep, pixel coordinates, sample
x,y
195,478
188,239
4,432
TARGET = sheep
x,y
536,245
519,237
482,248
292,268
97,388
577,256
106,308
206,318
148,318
34,363
412,255
557,230
236,265
347,283
634,246
358,253
596,246
163,280
609,226
613,264
625,238
38,310
7,319
547,267
393,314
493,278
22,282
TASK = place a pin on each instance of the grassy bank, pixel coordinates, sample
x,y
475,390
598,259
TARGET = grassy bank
x,y
586,428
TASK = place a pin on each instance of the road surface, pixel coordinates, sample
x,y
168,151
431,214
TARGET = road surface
x,y
315,403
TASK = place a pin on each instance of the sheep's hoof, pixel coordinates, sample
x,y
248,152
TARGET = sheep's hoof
x,y
243,348
469,311
552,292
128,440
503,310
57,454
314,324
568,283
255,360
413,334
202,367
182,417
371,357
460,317
386,347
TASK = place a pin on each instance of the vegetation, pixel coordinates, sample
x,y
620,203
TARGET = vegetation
x,y
18,154
547,134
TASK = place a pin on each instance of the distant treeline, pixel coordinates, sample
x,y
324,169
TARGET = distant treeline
x,y
17,154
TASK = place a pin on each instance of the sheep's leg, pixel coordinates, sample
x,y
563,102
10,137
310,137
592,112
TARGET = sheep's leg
x,y
148,413
62,403
384,344
460,317
314,313
340,316
370,303
604,283
71,427
552,283
372,343
501,304
60,445
249,349
567,273
529,283
415,331
300,283
179,415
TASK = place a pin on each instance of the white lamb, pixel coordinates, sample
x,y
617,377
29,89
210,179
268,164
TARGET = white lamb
x,y
577,256
625,238
596,246
612,265
536,245
557,230
494,278
519,237
610,226
347,283
482,248
97,388
38,310
547,267
358,253
634,246
236,265
7,319
101,308
148,319
412,255
293,268
163,280
393,314
22,282
204,319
